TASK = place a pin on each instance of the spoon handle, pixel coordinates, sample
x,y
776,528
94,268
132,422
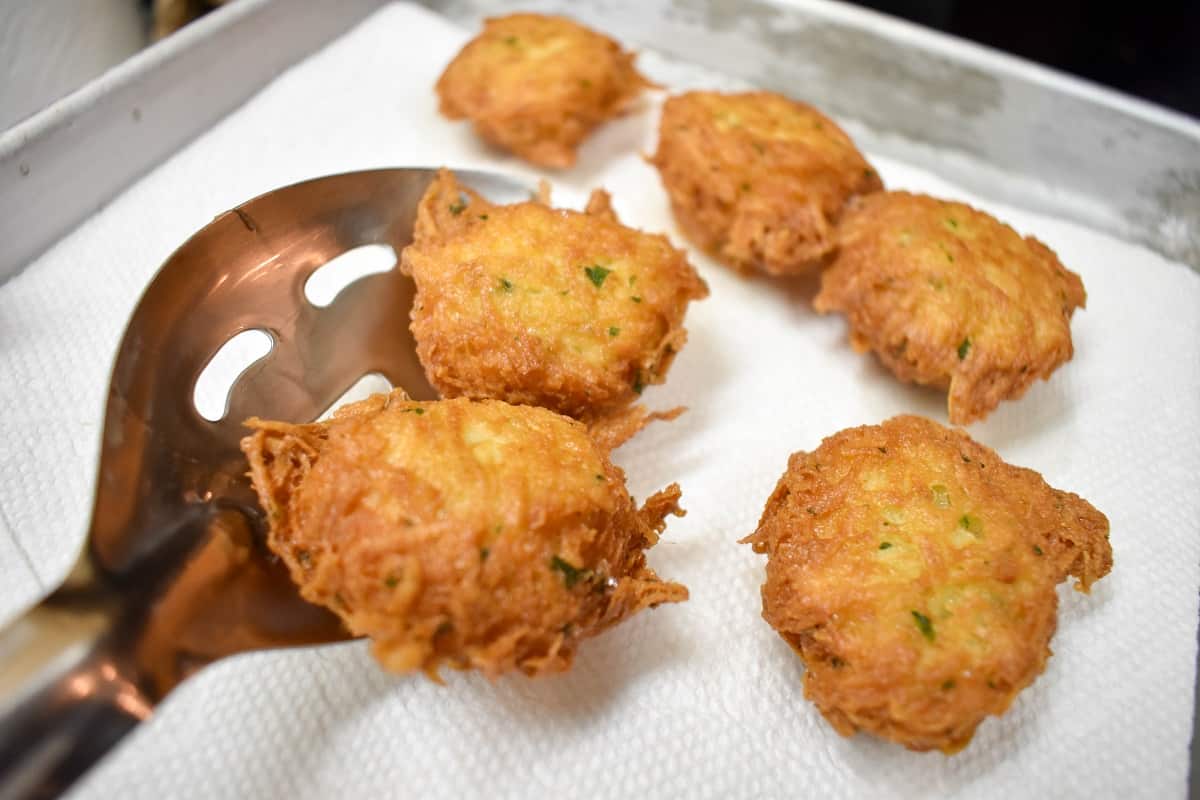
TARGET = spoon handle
x,y
65,699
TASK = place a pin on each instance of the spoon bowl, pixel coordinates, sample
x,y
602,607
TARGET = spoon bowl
x,y
175,573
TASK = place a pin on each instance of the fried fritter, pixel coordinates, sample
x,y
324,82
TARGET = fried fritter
x,y
914,573
950,297
537,85
535,305
476,535
757,179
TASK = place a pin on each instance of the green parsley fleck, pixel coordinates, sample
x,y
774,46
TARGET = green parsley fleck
x,y
483,216
1037,551
941,495
882,450
946,252
745,187
636,299
511,41
952,222
868,173
600,477
948,685
614,330
445,627
458,207
304,557
484,552
571,574
924,625
596,274
506,285
638,386
415,410
885,546
966,459
964,347
971,523
391,581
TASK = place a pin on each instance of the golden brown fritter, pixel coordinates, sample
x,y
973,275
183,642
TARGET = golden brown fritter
x,y
758,180
477,535
913,572
535,305
950,297
537,85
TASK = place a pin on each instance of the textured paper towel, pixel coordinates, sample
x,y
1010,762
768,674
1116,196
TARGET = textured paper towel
x,y
700,699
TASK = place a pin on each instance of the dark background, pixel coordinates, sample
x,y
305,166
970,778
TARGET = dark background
x,y
1148,49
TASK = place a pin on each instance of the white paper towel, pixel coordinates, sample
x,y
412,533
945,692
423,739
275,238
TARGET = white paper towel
x,y
700,699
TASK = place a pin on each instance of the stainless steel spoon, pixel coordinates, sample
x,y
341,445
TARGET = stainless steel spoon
x,y
174,573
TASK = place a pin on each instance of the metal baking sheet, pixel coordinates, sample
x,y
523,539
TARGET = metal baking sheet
x,y
996,125
64,163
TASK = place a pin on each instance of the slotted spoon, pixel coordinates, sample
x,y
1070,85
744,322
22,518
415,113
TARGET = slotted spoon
x,y
174,573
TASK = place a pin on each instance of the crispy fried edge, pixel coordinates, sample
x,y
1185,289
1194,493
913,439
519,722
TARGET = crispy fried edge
x,y
436,222
1087,561
971,394
280,456
718,241
555,152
